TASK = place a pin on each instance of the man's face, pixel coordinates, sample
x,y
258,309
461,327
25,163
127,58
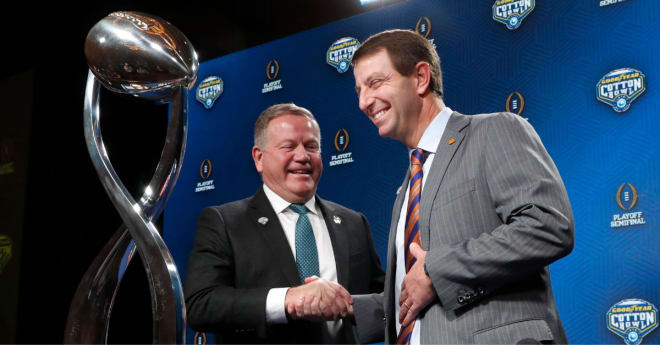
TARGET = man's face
x,y
290,161
388,98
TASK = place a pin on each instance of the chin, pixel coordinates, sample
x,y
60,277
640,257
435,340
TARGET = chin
x,y
303,193
384,133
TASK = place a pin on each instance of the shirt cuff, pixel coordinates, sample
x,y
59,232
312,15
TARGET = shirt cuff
x,y
275,306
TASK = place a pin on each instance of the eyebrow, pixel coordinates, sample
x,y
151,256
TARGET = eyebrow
x,y
357,88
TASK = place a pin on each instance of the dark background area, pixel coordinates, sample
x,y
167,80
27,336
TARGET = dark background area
x,y
66,216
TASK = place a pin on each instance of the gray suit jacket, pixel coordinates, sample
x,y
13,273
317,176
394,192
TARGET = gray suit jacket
x,y
494,215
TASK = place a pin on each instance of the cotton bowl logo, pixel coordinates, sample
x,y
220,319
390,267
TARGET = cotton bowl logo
x,y
340,53
632,319
512,12
620,88
609,2
209,90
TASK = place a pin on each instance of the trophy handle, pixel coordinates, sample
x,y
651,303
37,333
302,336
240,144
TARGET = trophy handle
x,y
90,310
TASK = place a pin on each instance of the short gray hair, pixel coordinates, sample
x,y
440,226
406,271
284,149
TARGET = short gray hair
x,y
275,111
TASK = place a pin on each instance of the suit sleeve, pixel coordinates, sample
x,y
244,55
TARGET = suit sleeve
x,y
213,303
369,324
377,273
368,318
529,197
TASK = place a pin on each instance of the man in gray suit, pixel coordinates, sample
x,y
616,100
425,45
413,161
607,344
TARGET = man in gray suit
x,y
468,255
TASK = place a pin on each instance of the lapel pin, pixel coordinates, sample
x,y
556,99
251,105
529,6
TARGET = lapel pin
x,y
451,141
399,190
263,220
336,219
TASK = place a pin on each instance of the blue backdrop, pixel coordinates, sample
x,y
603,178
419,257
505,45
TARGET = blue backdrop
x,y
549,67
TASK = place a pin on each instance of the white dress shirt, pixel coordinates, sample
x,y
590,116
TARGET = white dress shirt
x,y
429,143
275,301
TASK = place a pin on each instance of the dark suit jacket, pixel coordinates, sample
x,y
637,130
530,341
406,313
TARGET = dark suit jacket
x,y
236,260
494,214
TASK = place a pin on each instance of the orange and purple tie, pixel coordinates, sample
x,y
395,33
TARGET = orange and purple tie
x,y
411,233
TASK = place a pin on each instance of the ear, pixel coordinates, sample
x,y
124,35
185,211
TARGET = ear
x,y
257,156
423,75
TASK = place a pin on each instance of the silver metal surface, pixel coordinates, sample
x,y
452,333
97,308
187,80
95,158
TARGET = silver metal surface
x,y
140,54
145,56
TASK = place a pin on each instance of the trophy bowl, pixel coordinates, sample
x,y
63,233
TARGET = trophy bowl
x,y
141,55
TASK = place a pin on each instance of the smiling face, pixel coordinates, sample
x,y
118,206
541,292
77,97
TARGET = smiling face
x,y
290,159
389,99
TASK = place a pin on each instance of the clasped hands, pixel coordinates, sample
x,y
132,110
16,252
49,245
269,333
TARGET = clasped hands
x,y
317,300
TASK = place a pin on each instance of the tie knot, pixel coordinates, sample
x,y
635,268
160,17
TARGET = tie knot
x,y
299,208
418,157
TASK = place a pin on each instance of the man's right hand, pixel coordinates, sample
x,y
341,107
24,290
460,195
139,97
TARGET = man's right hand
x,y
318,300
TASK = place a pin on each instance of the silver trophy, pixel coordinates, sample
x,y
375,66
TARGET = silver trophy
x,y
145,56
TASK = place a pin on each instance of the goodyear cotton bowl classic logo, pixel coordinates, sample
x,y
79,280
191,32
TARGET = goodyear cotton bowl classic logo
x,y
512,12
209,90
621,87
340,53
627,198
609,2
341,144
632,319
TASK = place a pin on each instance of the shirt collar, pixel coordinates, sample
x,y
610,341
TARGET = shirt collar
x,y
280,205
431,137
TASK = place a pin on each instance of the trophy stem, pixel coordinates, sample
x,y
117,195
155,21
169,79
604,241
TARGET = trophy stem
x,y
89,315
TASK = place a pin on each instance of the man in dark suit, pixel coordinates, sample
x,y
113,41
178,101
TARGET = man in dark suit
x,y
480,215
251,257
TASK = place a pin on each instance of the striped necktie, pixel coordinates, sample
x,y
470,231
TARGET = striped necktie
x,y
411,233
307,258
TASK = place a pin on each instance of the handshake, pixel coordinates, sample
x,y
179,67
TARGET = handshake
x,y
318,300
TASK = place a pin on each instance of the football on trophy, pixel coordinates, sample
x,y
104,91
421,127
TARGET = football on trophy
x,y
140,54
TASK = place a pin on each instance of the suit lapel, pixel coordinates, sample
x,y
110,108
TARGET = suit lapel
x,y
339,239
396,213
391,250
273,236
449,143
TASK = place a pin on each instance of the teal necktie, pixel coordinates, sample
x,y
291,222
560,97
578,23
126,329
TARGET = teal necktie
x,y
307,257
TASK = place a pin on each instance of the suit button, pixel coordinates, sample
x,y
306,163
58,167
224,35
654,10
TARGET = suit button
x,y
461,300
467,296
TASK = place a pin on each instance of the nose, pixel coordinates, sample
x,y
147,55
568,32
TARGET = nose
x,y
365,100
300,154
